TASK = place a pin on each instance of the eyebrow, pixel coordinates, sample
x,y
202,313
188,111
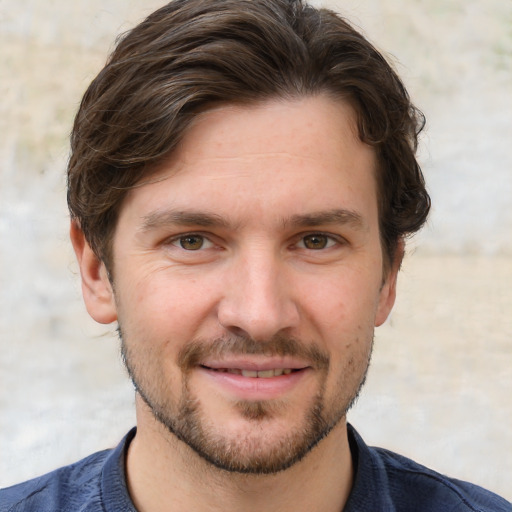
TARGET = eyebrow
x,y
159,219
320,218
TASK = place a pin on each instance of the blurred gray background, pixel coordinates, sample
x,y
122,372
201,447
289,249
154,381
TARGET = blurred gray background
x,y
440,387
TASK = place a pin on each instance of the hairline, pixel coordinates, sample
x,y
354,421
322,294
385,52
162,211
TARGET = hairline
x,y
152,169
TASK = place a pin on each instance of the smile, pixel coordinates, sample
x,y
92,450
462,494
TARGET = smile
x,y
261,374
249,382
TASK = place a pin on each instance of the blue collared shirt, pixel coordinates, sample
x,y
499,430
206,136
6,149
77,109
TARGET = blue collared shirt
x,y
384,482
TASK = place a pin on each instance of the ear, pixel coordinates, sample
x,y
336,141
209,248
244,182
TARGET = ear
x,y
96,287
388,291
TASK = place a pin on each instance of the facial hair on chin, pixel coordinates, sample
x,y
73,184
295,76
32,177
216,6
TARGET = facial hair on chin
x,y
249,454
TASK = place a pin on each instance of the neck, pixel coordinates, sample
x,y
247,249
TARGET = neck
x,y
165,475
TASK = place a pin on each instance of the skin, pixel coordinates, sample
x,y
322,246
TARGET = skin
x,y
262,227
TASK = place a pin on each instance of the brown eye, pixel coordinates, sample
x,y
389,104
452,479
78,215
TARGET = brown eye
x,y
191,242
315,241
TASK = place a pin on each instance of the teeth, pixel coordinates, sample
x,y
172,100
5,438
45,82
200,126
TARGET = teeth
x,y
262,374
266,373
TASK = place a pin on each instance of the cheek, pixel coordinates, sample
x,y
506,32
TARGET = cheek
x,y
343,304
157,304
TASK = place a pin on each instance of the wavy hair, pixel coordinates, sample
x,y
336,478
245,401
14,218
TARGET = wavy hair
x,y
193,54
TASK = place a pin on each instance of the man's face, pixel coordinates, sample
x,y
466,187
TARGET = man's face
x,y
248,278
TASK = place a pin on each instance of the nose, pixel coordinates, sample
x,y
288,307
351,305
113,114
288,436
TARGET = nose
x,y
258,297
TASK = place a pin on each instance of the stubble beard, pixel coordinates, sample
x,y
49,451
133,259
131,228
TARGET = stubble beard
x,y
246,453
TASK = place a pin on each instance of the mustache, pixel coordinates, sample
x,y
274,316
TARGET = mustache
x,y
198,350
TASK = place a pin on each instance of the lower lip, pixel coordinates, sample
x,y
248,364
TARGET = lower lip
x,y
255,388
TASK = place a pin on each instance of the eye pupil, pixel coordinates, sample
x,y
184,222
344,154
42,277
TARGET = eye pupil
x,y
191,242
315,241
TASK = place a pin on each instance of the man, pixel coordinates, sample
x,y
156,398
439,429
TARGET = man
x,y
241,183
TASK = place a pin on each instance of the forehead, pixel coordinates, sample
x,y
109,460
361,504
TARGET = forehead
x,y
279,156
302,127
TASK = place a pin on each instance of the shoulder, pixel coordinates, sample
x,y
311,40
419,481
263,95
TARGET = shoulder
x,y
388,481
71,488
408,479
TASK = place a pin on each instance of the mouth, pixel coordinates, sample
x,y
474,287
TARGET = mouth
x,y
260,374
255,378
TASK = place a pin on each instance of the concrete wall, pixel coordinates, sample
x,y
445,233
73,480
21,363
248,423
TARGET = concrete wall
x,y
442,378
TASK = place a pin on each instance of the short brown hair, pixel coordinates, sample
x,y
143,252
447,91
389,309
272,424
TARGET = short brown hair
x,y
192,54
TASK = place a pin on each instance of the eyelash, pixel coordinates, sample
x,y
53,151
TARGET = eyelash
x,y
178,241
330,241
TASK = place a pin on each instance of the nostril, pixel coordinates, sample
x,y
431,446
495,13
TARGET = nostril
x,y
258,311
237,331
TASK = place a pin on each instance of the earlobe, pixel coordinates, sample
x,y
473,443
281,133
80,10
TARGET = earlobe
x,y
96,287
388,292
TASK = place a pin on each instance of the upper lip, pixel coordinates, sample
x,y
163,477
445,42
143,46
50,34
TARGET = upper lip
x,y
255,363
